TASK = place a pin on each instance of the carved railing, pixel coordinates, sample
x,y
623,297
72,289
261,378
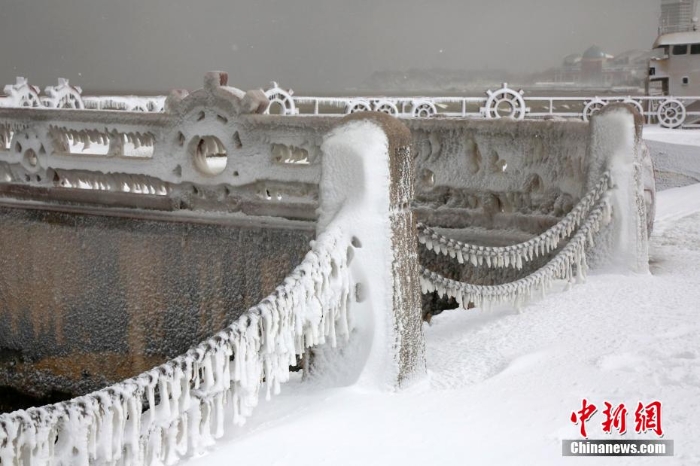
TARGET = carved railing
x,y
205,151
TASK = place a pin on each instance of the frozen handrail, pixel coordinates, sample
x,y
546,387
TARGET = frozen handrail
x,y
123,424
515,255
573,255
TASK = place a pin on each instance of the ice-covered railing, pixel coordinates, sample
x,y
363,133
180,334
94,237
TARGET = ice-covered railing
x,y
178,408
515,255
129,103
568,264
504,102
63,95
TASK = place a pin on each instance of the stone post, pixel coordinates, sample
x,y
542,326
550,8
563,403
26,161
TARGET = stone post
x,y
616,146
366,187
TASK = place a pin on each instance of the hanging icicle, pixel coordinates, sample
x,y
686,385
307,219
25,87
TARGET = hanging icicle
x,y
184,399
514,256
568,264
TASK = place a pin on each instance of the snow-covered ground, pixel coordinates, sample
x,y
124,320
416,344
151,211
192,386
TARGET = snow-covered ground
x,y
676,156
502,385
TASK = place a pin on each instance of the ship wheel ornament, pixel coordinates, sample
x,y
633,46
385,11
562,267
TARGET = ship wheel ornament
x,y
592,107
671,113
505,103
22,94
281,98
356,106
63,95
423,109
384,106
635,104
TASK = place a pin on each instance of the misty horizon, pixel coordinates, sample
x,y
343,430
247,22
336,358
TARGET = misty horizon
x,y
310,45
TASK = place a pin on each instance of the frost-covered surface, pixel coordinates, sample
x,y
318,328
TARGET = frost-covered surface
x,y
503,385
683,137
177,409
127,103
568,265
515,255
676,156
357,155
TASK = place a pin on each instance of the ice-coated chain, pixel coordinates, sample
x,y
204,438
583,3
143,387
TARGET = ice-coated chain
x,y
123,424
515,255
569,264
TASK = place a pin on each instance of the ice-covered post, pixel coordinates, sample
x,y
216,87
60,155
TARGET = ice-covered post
x,y
366,187
617,146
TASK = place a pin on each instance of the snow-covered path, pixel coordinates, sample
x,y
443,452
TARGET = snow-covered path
x,y
503,385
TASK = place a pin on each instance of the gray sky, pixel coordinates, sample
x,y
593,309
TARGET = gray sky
x,y
324,45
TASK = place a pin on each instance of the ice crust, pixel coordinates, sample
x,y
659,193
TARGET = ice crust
x,y
177,409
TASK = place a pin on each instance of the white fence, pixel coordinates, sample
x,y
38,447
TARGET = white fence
x,y
505,102
668,111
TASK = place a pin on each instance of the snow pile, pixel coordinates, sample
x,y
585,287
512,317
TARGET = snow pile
x,y
177,409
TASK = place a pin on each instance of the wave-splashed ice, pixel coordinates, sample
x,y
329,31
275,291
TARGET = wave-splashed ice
x,y
177,409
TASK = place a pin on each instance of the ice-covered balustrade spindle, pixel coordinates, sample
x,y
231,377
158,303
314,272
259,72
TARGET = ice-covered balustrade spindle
x,y
569,265
514,256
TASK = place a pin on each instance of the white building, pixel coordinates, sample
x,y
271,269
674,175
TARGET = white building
x,y
675,70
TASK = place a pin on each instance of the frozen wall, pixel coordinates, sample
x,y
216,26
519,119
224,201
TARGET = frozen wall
x,y
89,300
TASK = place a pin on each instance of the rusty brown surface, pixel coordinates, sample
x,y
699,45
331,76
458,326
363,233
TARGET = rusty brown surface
x,y
112,296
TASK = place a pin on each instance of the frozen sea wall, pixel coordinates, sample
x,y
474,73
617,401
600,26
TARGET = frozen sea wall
x,y
128,237
487,189
210,170
358,279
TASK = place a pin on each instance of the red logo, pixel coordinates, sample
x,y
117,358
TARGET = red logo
x,y
646,418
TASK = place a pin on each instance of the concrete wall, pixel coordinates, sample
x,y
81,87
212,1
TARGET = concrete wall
x,y
87,300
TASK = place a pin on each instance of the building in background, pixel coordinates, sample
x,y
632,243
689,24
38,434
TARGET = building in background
x,y
675,67
597,68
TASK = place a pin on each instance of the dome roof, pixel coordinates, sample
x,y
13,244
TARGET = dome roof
x,y
594,53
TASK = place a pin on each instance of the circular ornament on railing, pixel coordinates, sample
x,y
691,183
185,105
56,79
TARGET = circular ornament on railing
x,y
385,106
592,107
281,99
671,113
635,104
63,95
355,106
22,94
505,103
423,109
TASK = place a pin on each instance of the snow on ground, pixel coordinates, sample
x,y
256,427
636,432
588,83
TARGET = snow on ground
x,y
502,385
676,156
684,137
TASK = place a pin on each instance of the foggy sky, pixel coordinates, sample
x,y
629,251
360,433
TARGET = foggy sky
x,y
309,45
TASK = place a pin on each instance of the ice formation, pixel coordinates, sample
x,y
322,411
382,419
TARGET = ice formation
x,y
569,264
178,408
515,255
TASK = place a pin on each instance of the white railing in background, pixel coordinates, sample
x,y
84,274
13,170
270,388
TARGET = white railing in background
x,y
668,111
178,408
